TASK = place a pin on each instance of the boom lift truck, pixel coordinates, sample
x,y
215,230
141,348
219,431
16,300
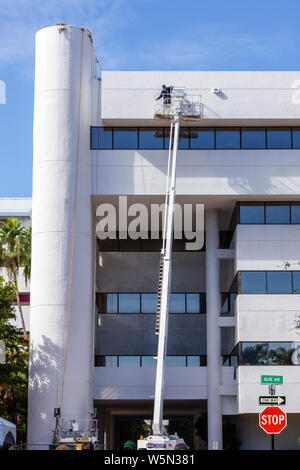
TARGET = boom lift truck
x,y
182,107
73,435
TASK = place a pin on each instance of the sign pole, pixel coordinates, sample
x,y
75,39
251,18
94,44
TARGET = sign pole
x,y
272,441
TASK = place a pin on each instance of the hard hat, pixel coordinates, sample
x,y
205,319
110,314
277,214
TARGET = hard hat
x,y
129,445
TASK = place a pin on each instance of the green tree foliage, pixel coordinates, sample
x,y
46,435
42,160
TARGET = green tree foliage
x,y
14,372
15,252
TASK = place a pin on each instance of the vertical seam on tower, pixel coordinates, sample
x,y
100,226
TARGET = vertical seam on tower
x,y
92,71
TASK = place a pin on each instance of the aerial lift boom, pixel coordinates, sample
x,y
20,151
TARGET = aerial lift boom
x,y
164,283
180,108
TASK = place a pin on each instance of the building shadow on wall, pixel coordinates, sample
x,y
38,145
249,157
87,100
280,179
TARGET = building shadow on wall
x,y
44,369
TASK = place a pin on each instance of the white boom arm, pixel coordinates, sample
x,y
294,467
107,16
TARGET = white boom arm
x,y
165,274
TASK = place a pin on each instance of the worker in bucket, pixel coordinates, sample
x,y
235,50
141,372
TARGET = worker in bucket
x,y
165,94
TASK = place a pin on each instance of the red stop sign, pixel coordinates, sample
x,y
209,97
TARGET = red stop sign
x,y
272,420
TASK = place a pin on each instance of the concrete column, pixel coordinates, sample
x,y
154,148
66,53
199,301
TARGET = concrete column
x,y
213,308
61,318
101,417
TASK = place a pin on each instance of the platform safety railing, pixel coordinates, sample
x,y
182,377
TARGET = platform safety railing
x,y
189,106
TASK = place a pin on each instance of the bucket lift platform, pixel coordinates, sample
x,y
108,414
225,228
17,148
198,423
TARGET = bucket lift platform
x,y
187,107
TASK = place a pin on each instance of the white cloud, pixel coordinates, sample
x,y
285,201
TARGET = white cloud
x,y
215,51
19,21
194,46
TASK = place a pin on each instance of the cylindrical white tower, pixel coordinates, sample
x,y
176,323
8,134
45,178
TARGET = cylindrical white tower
x,y
61,317
213,332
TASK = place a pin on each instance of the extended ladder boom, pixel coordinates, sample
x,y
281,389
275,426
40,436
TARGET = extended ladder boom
x,y
165,274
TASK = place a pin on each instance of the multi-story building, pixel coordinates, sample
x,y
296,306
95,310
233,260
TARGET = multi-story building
x,y
19,208
235,301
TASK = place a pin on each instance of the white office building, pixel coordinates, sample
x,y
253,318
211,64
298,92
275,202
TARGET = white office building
x,y
234,302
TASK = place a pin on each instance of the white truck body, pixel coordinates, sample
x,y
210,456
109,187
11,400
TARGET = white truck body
x,y
8,432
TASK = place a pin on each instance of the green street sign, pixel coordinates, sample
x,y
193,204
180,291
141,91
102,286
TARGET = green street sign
x,y
272,379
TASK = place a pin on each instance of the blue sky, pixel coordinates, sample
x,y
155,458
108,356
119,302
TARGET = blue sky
x,y
136,35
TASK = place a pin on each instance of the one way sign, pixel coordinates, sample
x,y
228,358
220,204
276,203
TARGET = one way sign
x,y
271,400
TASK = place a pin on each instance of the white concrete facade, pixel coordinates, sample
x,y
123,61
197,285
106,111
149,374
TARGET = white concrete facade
x,y
69,178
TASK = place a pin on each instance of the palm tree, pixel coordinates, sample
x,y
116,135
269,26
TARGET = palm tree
x,y
15,252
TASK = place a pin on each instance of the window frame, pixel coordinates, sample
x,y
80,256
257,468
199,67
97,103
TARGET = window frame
x,y
203,129
239,348
101,302
273,129
224,129
100,359
264,129
214,130
151,129
125,128
239,284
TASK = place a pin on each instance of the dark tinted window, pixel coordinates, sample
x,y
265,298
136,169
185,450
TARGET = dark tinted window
x,y
253,138
129,303
148,361
111,303
179,245
108,245
280,354
296,138
253,282
225,237
278,138
99,361
130,245
177,303
202,303
203,361
149,302
295,353
192,303
295,213
234,362
94,138
129,361
193,361
183,138
224,303
227,138
202,138
233,297
194,138
111,361
105,138
254,353
252,214
296,282
279,282
277,213
176,361
151,138
151,245
125,138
